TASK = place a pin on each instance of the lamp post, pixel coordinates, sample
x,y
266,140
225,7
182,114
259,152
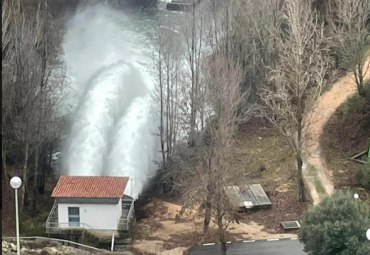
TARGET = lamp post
x,y
16,182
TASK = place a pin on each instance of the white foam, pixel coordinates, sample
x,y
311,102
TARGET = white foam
x,y
112,132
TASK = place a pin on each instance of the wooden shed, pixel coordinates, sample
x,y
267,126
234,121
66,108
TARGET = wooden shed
x,y
247,197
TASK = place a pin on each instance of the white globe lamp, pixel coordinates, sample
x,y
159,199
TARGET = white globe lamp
x,y
16,183
356,196
368,234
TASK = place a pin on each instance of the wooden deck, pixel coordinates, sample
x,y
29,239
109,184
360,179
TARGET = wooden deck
x,y
247,196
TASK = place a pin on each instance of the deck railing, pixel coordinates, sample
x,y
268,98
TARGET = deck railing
x,y
58,227
52,213
124,223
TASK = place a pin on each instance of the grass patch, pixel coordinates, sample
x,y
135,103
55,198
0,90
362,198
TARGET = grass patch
x,y
33,223
367,51
141,231
312,171
319,188
351,64
262,155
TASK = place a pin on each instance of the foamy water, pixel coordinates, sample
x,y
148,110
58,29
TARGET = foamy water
x,y
107,56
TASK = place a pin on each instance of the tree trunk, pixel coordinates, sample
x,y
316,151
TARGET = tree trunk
x,y
35,180
221,235
193,87
168,114
24,179
5,169
161,95
302,195
50,156
359,78
207,217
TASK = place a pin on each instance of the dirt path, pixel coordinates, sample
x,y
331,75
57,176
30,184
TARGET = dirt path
x,y
317,175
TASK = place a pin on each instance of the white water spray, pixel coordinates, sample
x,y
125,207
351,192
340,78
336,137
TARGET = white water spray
x,y
112,133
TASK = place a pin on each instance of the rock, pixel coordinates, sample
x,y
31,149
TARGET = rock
x,y
49,248
37,244
54,244
69,253
49,251
12,247
33,252
66,250
176,251
25,251
341,172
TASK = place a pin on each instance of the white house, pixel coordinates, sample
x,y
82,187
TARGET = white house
x,y
90,203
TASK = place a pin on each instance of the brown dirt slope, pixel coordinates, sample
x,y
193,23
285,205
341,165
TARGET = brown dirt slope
x,y
327,105
350,123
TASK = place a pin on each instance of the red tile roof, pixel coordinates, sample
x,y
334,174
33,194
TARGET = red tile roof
x,y
90,186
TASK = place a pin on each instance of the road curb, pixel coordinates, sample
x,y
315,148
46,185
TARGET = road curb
x,y
256,240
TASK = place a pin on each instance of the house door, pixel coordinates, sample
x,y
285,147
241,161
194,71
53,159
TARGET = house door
x,y
74,216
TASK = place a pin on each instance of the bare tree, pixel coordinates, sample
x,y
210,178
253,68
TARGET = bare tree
x,y
219,101
299,76
7,16
223,78
25,84
168,93
192,30
349,20
31,53
208,166
252,44
167,66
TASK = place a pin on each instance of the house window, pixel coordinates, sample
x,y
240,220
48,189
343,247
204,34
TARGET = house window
x,y
74,216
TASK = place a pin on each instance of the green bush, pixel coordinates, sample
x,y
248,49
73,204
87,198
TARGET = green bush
x,y
365,176
337,226
367,91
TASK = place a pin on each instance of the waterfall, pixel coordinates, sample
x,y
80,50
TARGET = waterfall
x,y
113,128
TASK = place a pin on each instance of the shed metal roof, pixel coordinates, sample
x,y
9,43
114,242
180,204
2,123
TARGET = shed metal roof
x,y
240,196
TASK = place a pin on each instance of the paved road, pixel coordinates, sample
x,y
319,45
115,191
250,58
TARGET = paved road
x,y
280,247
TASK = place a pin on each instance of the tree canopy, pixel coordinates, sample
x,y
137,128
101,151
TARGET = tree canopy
x,y
336,226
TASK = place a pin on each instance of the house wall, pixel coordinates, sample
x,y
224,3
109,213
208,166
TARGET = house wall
x,y
96,216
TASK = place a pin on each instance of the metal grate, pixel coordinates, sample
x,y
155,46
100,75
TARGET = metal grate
x,y
290,224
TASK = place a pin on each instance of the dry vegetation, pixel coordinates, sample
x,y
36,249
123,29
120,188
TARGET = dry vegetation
x,y
260,155
33,222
